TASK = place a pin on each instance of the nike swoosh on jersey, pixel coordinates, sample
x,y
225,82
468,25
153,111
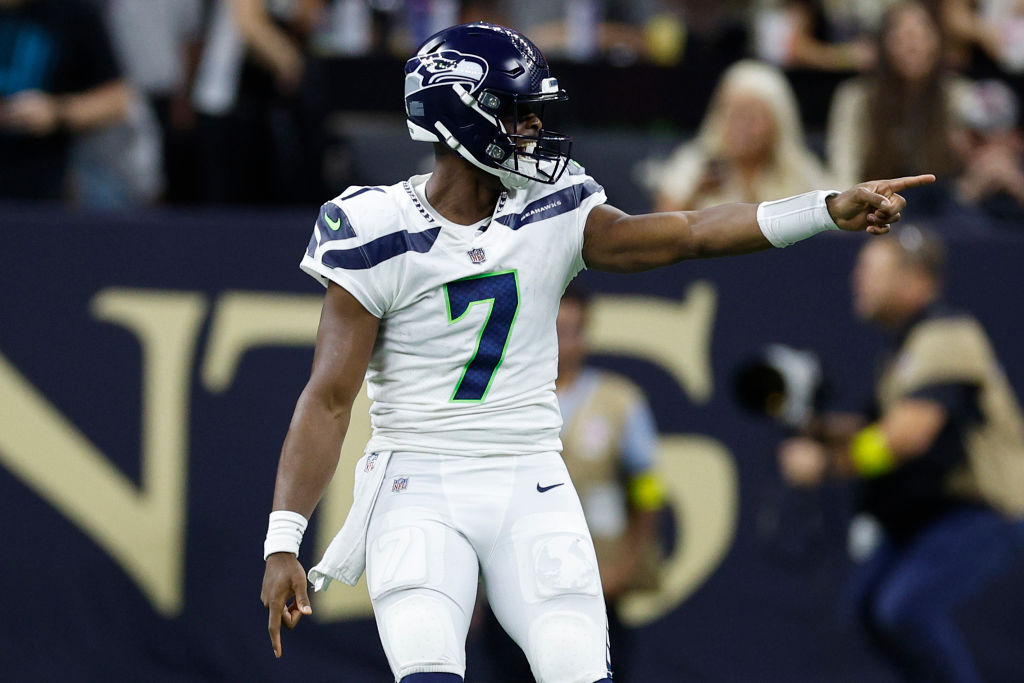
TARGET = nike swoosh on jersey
x,y
334,224
542,489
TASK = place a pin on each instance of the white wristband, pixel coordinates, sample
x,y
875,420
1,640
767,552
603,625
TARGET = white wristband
x,y
787,221
284,533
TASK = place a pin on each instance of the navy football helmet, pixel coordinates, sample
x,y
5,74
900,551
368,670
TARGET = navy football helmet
x,y
469,85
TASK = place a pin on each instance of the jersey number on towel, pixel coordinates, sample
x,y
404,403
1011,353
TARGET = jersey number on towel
x,y
501,292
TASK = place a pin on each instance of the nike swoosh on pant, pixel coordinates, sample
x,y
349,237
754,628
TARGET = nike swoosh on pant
x,y
542,489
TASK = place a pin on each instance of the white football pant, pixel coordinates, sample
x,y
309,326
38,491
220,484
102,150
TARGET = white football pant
x,y
440,520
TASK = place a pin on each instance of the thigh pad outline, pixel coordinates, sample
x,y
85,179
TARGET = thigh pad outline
x,y
554,558
406,551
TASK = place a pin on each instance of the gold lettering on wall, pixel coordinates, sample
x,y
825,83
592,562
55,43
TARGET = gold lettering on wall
x,y
142,527
702,488
698,471
245,320
673,334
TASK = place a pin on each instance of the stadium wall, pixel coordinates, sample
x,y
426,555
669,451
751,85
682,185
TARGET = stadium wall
x,y
149,364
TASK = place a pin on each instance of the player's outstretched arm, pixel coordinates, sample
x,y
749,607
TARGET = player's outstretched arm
x,y
344,343
615,241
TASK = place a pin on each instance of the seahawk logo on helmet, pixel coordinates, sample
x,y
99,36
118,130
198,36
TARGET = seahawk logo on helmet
x,y
469,85
444,67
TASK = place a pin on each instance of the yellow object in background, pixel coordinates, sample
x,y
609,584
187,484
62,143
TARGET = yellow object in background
x,y
665,38
870,452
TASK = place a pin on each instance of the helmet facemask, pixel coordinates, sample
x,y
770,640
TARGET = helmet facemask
x,y
540,156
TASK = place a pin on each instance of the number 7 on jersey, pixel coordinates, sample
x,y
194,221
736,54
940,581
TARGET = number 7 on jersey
x,y
501,292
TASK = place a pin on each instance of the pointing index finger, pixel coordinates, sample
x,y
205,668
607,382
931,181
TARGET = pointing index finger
x,y
274,627
900,184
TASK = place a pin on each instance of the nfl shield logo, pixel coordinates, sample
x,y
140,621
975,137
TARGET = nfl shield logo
x,y
371,460
476,255
399,484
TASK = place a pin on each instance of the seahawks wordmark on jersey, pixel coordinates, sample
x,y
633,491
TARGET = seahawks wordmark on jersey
x,y
466,354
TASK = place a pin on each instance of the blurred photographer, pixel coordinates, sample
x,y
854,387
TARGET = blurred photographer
x,y
939,461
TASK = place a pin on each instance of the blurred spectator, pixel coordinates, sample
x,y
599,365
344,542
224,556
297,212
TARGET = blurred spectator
x,y
157,43
993,150
940,467
750,147
985,36
58,78
396,27
714,32
897,120
119,166
585,30
257,140
350,28
424,18
830,35
483,10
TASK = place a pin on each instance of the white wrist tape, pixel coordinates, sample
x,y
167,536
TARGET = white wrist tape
x,y
284,533
787,221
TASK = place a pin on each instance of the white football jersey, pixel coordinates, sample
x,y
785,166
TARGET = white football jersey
x,y
466,355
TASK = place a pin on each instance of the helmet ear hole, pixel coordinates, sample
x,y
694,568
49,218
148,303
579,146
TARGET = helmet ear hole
x,y
490,101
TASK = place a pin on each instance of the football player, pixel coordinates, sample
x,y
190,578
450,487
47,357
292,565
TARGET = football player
x,y
442,291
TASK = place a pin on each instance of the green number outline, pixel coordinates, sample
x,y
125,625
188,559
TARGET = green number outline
x,y
480,334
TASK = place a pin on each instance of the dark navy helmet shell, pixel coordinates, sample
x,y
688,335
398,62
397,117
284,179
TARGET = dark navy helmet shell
x,y
469,85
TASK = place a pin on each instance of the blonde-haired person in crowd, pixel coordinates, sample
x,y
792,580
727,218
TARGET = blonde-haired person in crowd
x,y
904,107
750,146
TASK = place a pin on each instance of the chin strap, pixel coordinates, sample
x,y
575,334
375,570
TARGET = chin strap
x,y
510,180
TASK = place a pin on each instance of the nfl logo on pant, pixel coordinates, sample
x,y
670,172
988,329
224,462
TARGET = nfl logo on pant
x,y
399,484
371,460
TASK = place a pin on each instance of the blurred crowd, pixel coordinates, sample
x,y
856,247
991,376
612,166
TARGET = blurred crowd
x,y
122,103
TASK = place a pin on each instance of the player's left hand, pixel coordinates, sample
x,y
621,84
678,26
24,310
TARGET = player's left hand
x,y
284,579
874,205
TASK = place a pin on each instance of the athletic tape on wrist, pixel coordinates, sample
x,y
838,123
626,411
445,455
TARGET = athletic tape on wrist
x,y
284,533
787,221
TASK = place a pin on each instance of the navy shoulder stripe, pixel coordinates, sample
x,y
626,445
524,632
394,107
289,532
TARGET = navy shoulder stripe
x,y
362,190
333,223
554,204
378,251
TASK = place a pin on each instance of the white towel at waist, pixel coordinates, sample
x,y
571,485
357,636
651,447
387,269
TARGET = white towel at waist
x,y
345,558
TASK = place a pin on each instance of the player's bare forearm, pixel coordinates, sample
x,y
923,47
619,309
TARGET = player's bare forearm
x,y
310,454
311,449
617,242
344,344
